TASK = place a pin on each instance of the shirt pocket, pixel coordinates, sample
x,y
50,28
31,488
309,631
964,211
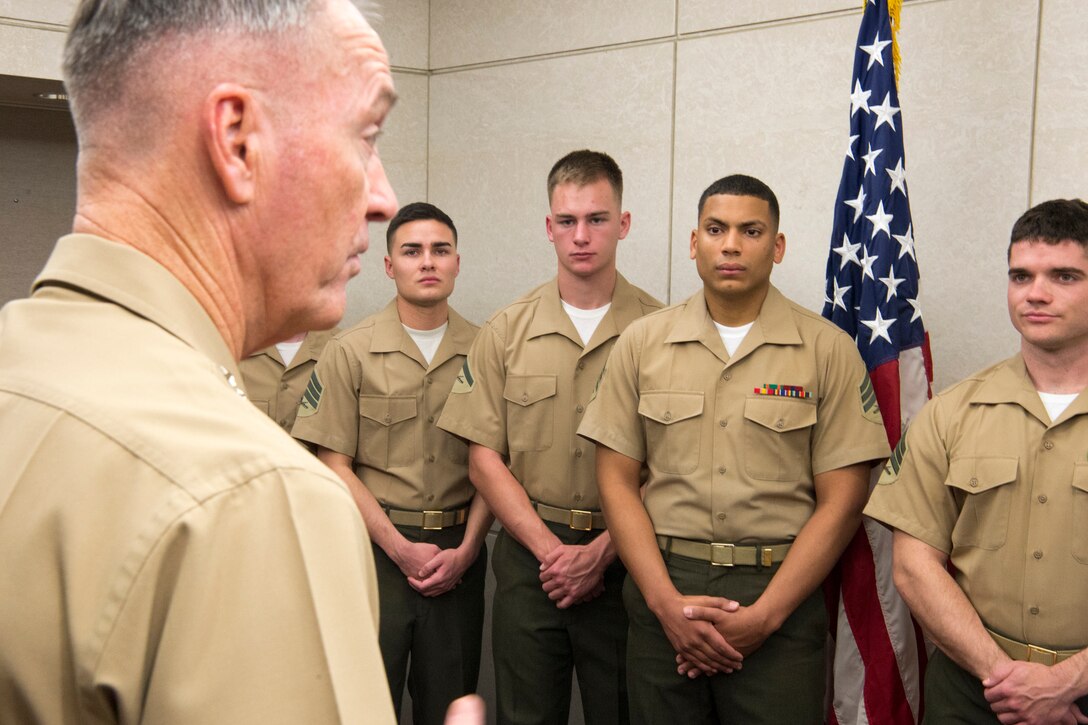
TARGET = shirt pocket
x,y
530,411
1080,512
983,485
778,438
671,419
386,435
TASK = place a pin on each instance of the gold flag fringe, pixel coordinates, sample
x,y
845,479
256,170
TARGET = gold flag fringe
x,y
895,10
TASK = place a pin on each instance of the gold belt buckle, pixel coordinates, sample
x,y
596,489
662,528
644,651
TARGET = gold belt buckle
x,y
581,520
721,555
1042,655
432,520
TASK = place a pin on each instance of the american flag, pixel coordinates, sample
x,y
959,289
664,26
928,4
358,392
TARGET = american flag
x,y
872,293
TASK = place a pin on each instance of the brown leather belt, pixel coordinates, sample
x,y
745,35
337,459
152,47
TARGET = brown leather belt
x,y
725,554
1030,652
574,518
428,520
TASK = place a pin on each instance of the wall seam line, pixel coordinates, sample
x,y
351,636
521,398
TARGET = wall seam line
x,y
1034,104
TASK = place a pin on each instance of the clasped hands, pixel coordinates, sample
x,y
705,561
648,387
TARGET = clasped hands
x,y
711,635
430,570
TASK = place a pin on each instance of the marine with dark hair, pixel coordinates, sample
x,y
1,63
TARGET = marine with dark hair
x,y
754,419
373,401
518,402
168,554
992,477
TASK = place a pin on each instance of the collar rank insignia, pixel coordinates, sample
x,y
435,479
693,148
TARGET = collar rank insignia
x,y
784,391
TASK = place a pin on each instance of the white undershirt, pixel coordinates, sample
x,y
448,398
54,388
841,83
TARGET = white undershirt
x,y
1056,403
732,337
586,321
428,340
288,350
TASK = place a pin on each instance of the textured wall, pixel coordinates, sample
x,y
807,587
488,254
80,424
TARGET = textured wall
x,y
684,92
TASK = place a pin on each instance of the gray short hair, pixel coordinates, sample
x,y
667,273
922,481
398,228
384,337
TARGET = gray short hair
x,y
106,34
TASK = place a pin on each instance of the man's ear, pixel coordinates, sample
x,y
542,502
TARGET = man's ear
x,y
230,126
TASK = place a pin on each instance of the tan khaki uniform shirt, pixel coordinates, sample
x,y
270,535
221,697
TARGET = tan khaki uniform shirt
x,y
984,476
378,401
526,385
730,461
276,389
166,555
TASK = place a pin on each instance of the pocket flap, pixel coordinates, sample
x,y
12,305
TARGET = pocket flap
x,y
529,389
975,475
780,414
387,410
1080,476
669,406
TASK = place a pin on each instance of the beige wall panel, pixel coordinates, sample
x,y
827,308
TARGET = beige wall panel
x,y
697,15
478,31
37,192
403,27
747,104
1061,121
967,99
966,95
38,11
31,52
403,148
495,133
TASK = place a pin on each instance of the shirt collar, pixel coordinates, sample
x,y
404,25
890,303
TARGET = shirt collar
x,y
129,278
550,318
774,325
390,336
1010,383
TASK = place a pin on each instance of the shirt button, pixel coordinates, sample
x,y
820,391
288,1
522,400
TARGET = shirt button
x,y
721,470
1042,498
429,381
721,516
667,416
387,419
283,386
1048,444
1034,610
577,452
430,497
727,377
577,497
723,423
283,423
1038,554
973,482
430,418
524,397
430,458
580,408
780,423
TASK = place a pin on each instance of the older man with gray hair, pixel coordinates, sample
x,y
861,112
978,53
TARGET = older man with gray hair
x,y
167,554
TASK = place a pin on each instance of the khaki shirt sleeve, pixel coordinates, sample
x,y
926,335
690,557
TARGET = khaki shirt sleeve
x,y
476,409
911,494
237,645
848,428
333,422
612,418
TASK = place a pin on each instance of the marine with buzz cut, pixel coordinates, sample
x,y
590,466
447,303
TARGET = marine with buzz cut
x,y
755,420
527,380
992,478
371,409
